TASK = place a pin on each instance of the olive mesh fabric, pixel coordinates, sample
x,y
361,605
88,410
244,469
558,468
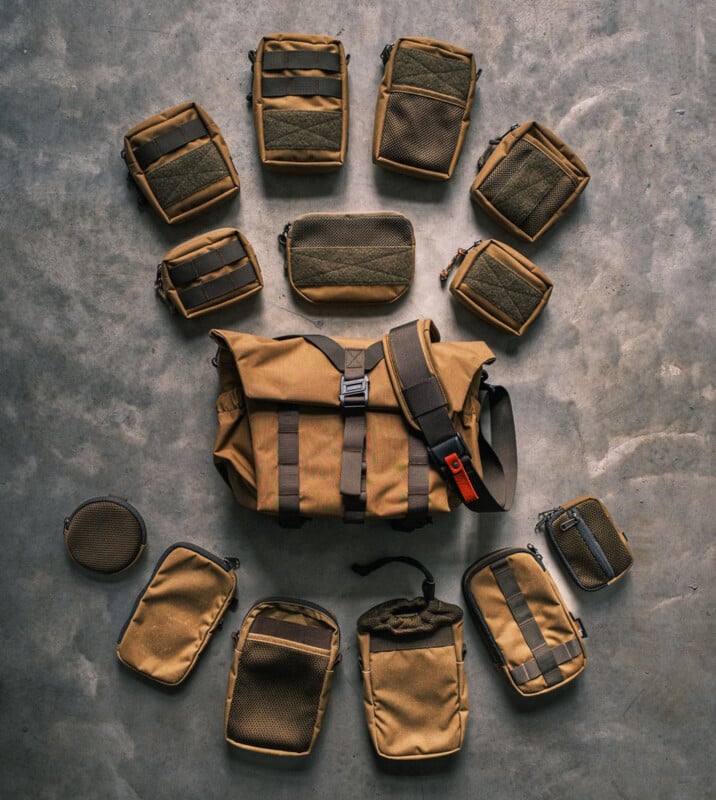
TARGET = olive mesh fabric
x,y
414,67
351,266
104,536
409,617
527,187
276,696
420,131
503,288
322,230
302,130
187,174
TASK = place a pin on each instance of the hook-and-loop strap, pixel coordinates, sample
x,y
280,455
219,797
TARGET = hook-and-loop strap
x,y
191,270
301,59
170,140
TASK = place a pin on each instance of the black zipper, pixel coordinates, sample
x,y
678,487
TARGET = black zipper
x,y
294,601
385,53
283,236
492,145
120,501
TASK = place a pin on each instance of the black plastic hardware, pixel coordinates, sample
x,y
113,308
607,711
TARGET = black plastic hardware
x,y
354,392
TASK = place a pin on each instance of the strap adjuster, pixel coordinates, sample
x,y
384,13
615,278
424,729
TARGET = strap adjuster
x,y
453,458
354,392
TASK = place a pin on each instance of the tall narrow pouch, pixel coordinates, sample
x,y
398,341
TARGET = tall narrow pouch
x,y
423,109
180,162
527,178
350,258
209,272
412,665
177,612
591,547
523,620
281,676
300,102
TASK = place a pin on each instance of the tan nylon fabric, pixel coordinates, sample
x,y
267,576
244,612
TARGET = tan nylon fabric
x,y
300,160
258,376
415,701
278,723
176,615
550,145
387,89
198,246
158,124
516,263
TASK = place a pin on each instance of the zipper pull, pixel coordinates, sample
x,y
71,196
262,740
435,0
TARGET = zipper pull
x,y
457,259
542,517
536,553
232,562
283,236
492,145
385,55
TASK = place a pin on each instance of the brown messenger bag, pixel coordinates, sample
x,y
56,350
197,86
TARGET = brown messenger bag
x,y
355,428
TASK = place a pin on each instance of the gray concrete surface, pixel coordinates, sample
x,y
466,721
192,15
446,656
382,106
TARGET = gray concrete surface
x,y
102,391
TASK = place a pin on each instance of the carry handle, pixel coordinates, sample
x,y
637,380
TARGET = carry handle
x,y
428,583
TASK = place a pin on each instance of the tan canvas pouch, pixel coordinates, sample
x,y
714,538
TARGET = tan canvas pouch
x,y
209,272
300,102
499,284
176,613
412,665
423,109
180,162
281,676
350,258
527,178
523,620
594,551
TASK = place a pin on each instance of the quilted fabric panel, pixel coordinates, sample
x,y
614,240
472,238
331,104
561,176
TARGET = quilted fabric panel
x,y
351,266
184,176
302,130
450,76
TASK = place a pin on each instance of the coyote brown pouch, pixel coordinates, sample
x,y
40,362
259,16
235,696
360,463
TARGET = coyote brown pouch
x,y
176,613
585,537
423,108
300,102
522,618
208,272
527,179
281,676
180,162
414,683
350,258
499,284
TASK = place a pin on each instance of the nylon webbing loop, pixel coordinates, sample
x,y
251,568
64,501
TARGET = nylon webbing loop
x,y
303,86
354,399
562,654
543,655
301,59
189,271
428,583
169,141
288,475
418,482
211,290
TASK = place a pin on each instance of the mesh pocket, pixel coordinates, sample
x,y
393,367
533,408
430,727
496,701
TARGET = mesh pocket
x,y
276,696
421,132
375,230
104,536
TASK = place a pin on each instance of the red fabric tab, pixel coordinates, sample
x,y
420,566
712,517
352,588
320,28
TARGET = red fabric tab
x,y
457,469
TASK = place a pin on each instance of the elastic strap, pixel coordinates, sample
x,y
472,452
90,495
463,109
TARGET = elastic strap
x,y
301,59
302,86
169,141
211,290
189,271
428,583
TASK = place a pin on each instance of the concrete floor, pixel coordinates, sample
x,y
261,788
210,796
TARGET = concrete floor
x,y
104,391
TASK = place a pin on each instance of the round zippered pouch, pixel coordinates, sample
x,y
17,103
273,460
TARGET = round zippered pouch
x,y
105,535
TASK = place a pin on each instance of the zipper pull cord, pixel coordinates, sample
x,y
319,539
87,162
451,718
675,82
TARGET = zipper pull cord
x,y
283,236
428,583
457,259
492,145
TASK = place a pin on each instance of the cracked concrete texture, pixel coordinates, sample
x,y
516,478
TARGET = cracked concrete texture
x,y
104,391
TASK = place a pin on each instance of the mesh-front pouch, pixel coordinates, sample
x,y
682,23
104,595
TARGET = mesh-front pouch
x,y
281,676
500,285
423,108
589,543
180,162
350,258
208,272
527,179
105,535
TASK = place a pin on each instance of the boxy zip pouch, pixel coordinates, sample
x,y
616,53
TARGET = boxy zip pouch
x,y
527,178
523,620
350,258
412,665
584,535
281,677
423,109
176,613
208,272
499,284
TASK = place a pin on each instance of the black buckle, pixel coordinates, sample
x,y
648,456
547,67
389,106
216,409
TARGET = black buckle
x,y
454,445
354,392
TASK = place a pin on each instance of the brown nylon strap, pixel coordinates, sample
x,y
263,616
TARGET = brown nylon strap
x,y
189,271
418,482
288,475
301,59
169,141
292,631
510,588
301,87
354,431
214,289
562,654
337,355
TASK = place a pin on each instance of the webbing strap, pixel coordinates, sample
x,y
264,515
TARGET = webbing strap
x,y
189,271
543,655
562,654
213,289
418,482
301,59
288,476
169,141
353,452
302,86
337,355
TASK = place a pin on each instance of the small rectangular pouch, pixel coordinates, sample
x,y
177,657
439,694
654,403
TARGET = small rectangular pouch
x,y
590,545
523,620
180,162
527,178
500,285
208,272
300,102
176,613
423,109
350,258
281,677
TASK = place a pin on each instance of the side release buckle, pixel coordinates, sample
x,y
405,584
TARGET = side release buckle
x,y
354,392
